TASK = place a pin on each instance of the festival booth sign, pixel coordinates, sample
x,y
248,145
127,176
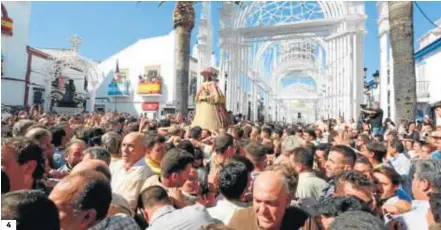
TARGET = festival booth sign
x,y
119,86
7,22
151,82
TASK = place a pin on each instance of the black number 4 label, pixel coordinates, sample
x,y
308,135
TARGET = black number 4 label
x,y
9,225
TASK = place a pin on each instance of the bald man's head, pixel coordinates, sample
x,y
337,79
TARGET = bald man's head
x,y
93,164
271,198
269,180
134,135
133,147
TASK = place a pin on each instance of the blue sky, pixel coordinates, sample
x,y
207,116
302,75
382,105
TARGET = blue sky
x,y
107,27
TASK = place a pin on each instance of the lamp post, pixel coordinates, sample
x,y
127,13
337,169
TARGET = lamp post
x,y
366,87
365,72
376,77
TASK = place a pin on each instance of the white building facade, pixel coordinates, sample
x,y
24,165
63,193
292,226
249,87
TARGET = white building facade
x,y
427,68
146,82
15,36
24,72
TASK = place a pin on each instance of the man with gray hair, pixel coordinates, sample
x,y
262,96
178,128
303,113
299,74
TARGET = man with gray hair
x,y
273,192
288,145
43,138
111,141
426,179
97,153
21,127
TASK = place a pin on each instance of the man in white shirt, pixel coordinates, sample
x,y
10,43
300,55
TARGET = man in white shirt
x,y
158,211
196,140
130,173
397,160
309,186
426,180
321,124
233,181
437,108
341,125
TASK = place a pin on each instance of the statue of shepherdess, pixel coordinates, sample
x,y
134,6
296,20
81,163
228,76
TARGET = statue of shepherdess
x,y
211,113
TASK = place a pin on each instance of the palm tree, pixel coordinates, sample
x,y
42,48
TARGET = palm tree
x,y
183,23
401,41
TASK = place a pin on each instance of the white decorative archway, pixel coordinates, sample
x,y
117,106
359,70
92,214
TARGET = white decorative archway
x,y
70,59
264,41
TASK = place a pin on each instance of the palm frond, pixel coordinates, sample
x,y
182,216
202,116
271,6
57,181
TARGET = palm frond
x,y
160,3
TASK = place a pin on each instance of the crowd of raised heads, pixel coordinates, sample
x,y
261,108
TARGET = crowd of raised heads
x,y
117,172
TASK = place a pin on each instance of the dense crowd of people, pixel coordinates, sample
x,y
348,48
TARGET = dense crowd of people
x,y
114,171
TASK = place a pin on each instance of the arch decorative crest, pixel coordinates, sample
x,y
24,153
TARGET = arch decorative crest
x,y
61,60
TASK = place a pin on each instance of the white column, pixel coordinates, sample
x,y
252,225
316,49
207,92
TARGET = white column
x,y
391,86
265,104
244,91
243,87
247,77
240,77
327,81
335,78
222,71
320,57
354,63
351,76
254,101
273,107
383,72
331,78
359,70
234,77
340,50
244,80
343,90
91,104
343,69
228,77
47,93
348,79
230,89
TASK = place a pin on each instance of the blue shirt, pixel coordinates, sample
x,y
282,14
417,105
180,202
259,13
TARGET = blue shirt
x,y
403,195
435,155
58,158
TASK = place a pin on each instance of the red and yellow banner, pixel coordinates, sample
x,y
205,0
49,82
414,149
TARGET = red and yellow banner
x,y
7,26
149,88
